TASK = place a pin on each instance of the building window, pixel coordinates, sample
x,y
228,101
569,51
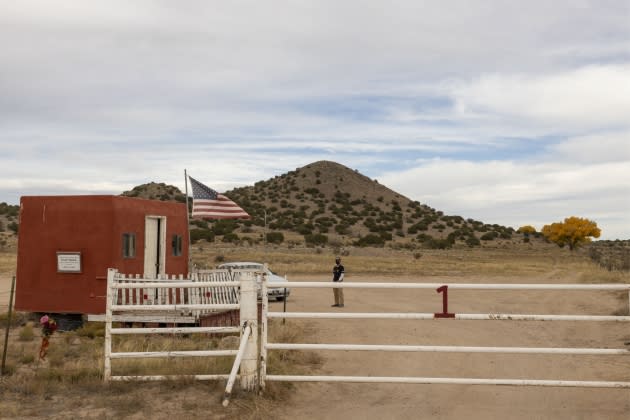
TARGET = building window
x,y
177,245
129,245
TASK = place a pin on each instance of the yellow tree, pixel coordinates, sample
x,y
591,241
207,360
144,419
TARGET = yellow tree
x,y
527,230
574,231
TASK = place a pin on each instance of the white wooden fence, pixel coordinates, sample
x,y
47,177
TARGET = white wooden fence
x,y
169,301
179,300
207,291
442,288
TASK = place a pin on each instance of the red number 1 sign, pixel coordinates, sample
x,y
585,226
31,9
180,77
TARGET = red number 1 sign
x,y
445,313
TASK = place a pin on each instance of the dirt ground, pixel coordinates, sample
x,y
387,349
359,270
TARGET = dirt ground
x,y
399,401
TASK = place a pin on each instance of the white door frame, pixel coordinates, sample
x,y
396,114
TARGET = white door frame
x,y
160,253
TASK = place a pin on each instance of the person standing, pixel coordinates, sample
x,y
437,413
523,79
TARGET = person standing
x,y
338,272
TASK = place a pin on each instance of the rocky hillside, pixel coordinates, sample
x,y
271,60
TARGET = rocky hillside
x,y
155,191
8,225
326,202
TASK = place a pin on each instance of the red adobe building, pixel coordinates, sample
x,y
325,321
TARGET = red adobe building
x,y
67,243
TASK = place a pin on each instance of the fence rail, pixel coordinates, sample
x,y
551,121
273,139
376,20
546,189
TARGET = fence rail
x,y
468,317
449,381
446,349
454,286
440,288
167,301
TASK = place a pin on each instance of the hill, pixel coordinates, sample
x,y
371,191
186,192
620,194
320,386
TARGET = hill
x,y
156,191
328,203
325,202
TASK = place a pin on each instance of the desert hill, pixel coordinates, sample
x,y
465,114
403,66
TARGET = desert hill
x,y
156,191
326,202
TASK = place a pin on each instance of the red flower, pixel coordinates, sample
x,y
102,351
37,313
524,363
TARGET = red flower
x,y
49,326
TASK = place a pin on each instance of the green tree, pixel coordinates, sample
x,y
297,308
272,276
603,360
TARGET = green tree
x,y
573,232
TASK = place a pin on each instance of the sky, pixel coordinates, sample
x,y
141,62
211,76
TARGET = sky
x,y
508,112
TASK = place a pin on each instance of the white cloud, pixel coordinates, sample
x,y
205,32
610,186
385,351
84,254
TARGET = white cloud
x,y
100,98
595,148
589,97
520,193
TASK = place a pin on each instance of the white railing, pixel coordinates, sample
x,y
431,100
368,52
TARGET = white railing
x,y
170,301
214,287
445,314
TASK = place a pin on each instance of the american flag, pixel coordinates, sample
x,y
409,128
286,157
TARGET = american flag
x,y
209,204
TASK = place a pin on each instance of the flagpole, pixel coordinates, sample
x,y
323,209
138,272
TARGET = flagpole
x,y
188,223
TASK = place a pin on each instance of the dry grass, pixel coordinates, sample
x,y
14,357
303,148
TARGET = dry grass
x,y
69,383
8,263
486,262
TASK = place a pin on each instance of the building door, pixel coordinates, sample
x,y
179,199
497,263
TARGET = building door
x,y
154,246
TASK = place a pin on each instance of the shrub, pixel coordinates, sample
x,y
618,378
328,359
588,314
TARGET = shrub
x,y
306,229
423,237
223,227
13,227
438,244
472,241
275,237
230,238
199,234
26,333
199,223
342,229
488,236
91,330
371,240
386,236
26,358
316,239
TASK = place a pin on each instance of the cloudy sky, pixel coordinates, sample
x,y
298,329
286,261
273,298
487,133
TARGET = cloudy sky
x,y
510,112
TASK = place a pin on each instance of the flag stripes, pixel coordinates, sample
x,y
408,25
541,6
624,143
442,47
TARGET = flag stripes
x,y
208,204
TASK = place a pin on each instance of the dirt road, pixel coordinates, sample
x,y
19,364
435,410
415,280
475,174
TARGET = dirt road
x,y
403,401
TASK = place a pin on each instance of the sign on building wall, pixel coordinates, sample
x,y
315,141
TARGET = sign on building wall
x,y
68,262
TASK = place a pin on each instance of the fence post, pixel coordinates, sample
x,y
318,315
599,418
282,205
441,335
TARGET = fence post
x,y
263,333
6,334
249,317
107,371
